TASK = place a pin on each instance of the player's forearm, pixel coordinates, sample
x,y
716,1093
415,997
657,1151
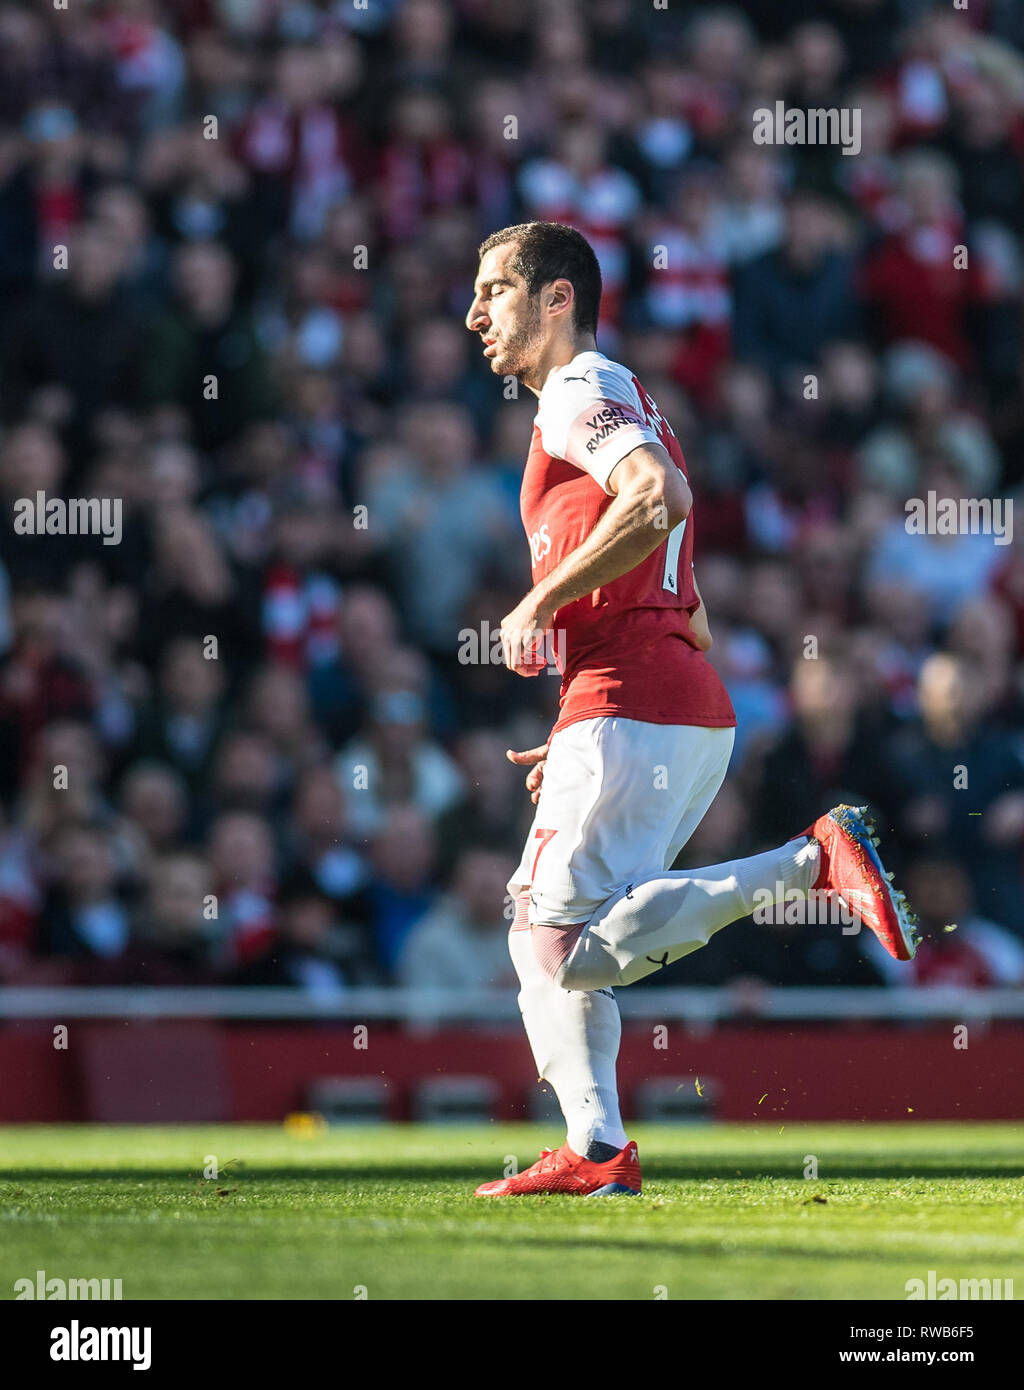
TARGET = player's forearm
x,y
631,529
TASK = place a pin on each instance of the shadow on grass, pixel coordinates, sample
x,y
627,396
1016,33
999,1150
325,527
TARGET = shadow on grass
x,y
834,1170
724,1249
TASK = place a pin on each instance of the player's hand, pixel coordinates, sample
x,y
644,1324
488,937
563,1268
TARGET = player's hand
x,y
535,777
522,636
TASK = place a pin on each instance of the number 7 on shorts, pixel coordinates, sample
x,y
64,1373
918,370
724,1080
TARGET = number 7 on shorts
x,y
543,836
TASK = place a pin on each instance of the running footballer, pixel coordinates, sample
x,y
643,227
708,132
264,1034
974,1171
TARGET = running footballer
x,y
608,515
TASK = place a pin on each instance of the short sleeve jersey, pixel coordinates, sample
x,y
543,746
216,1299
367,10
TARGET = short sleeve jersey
x,y
626,649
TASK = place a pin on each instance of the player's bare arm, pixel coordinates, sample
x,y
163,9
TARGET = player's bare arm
x,y
651,496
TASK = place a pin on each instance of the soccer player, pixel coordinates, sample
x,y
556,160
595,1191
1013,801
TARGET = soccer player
x,y
645,727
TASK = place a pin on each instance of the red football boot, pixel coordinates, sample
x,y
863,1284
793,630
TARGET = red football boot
x,y
561,1170
851,868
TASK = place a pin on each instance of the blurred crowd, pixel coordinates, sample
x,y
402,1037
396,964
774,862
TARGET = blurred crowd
x,y
262,739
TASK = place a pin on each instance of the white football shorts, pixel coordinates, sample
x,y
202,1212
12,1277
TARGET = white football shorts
x,y
619,800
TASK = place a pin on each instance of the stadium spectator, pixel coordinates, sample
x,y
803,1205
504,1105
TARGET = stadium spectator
x,y
825,752
180,723
912,282
153,802
791,302
397,763
311,950
84,914
462,941
489,813
950,762
947,569
244,866
404,883
78,339
171,942
203,356
960,947
319,838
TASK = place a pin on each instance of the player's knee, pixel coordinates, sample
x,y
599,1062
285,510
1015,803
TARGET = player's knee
x,y
561,978
558,953
567,965
566,977
584,975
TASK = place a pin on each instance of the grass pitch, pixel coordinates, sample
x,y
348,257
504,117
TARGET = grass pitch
x,y
726,1213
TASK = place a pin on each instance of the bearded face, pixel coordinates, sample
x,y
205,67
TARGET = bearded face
x,y
520,341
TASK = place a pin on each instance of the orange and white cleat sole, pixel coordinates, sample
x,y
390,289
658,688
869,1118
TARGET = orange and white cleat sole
x,y
562,1170
851,867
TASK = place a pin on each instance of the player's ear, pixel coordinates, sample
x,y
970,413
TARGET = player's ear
x,y
559,296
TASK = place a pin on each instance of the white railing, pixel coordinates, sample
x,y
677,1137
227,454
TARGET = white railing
x,y
691,1006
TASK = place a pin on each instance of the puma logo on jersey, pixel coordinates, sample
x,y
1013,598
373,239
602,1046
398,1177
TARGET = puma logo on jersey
x,y
540,543
584,377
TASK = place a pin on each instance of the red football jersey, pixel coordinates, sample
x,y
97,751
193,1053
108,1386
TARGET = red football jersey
x,y
626,649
